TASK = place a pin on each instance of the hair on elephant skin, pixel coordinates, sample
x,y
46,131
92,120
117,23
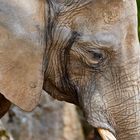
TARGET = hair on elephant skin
x,y
85,52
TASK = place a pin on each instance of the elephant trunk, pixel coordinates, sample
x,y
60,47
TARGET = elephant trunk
x,y
114,104
123,99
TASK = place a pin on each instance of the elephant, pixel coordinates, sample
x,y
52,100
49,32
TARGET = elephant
x,y
85,52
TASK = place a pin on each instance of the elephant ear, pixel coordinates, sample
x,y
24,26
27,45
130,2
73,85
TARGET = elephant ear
x,y
21,51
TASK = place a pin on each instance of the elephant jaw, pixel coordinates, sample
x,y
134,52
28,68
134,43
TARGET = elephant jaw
x,y
106,135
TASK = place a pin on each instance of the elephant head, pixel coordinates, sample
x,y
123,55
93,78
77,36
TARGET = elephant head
x,y
93,61
82,52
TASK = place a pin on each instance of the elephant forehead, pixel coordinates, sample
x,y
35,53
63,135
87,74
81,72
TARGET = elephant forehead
x,y
99,15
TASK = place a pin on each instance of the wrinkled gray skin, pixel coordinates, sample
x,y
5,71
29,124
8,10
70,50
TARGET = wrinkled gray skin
x,y
91,59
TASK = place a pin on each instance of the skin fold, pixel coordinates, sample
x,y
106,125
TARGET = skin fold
x,y
82,52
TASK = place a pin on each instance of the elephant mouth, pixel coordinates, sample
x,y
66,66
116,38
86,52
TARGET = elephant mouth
x,y
105,134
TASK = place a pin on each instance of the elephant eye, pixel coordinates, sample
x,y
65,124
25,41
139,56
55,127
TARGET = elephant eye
x,y
93,57
97,56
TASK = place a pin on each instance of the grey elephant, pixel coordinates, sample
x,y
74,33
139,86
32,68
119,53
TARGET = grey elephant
x,y
85,52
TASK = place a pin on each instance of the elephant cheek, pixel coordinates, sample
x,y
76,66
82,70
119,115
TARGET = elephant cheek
x,y
96,112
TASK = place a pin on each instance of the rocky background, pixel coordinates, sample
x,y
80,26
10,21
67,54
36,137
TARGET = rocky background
x,y
51,120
